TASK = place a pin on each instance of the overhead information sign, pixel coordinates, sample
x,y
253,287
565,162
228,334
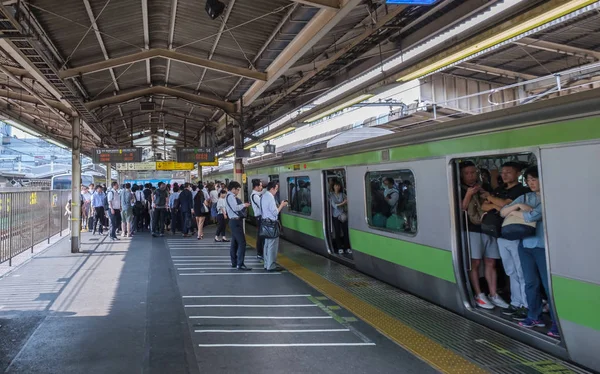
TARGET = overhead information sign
x,y
137,166
411,2
195,154
215,163
116,155
170,165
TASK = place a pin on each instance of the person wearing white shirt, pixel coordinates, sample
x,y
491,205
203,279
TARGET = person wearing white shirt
x,y
270,212
114,205
257,191
235,212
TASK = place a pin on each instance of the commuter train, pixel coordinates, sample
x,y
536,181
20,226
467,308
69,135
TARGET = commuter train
x,y
424,250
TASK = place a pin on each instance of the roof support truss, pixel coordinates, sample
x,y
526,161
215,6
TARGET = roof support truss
x,y
163,53
161,90
495,71
329,4
558,48
314,31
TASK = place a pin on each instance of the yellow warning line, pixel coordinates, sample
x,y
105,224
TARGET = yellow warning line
x,y
433,353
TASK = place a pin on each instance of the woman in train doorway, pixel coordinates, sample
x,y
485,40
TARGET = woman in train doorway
x,y
339,204
532,251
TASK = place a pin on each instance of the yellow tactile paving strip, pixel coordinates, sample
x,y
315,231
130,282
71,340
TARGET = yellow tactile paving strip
x,y
433,353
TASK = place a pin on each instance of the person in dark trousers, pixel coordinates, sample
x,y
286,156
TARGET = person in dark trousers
x,y
98,205
114,205
186,204
236,213
160,205
257,188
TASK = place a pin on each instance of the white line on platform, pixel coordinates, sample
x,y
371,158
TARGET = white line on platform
x,y
252,306
231,273
226,268
239,296
202,256
272,331
258,317
289,345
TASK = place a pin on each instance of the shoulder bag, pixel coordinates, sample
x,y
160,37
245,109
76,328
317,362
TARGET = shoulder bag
x,y
515,228
269,229
242,213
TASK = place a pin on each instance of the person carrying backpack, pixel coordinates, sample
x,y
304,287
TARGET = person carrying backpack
x,y
160,205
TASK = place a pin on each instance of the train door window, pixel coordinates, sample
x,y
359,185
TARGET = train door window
x,y
299,195
336,213
501,230
391,201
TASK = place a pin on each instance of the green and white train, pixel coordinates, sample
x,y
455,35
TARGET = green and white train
x,y
424,251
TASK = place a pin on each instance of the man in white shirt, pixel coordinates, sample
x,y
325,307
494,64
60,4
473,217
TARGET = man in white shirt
x,y
114,209
257,191
270,212
235,212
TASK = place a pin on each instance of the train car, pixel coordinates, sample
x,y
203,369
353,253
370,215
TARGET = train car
x,y
63,181
423,247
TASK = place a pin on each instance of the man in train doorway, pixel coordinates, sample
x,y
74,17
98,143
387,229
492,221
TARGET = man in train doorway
x,y
509,249
257,189
482,246
270,212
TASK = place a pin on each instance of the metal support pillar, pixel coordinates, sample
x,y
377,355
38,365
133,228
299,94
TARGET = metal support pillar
x,y
238,167
76,185
108,175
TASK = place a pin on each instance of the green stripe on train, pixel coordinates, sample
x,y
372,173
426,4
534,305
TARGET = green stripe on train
x,y
304,225
422,258
554,133
577,301
428,260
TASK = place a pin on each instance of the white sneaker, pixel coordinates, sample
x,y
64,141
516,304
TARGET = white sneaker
x,y
483,302
497,301
349,251
340,251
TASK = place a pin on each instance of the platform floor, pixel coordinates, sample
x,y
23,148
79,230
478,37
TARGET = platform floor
x,y
175,305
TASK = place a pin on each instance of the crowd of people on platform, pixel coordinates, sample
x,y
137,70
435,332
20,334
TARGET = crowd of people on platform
x,y
184,209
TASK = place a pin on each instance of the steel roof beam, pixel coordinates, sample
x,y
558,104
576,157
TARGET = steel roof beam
x,y
495,71
163,53
55,105
327,4
312,33
161,90
558,48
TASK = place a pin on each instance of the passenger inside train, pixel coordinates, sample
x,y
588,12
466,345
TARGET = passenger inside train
x,y
392,204
502,219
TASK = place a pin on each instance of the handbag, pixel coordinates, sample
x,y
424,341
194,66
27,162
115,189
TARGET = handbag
x,y
269,229
491,224
342,217
515,227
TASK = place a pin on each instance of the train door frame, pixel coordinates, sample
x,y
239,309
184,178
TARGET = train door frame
x,y
327,219
458,253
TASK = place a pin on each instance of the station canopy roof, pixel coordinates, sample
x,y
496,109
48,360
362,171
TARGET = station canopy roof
x,y
258,60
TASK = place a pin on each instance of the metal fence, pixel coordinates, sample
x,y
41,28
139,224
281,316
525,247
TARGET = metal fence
x,y
29,218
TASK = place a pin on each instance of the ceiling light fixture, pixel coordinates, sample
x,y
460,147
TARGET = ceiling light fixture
x,y
510,33
342,106
214,8
279,133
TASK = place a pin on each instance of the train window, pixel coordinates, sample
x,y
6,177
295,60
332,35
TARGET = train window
x,y
299,195
391,201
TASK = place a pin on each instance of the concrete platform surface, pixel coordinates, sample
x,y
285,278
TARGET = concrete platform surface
x,y
174,305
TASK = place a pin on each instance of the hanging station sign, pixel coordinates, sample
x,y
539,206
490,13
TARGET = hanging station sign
x,y
195,154
170,165
137,166
214,163
116,155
